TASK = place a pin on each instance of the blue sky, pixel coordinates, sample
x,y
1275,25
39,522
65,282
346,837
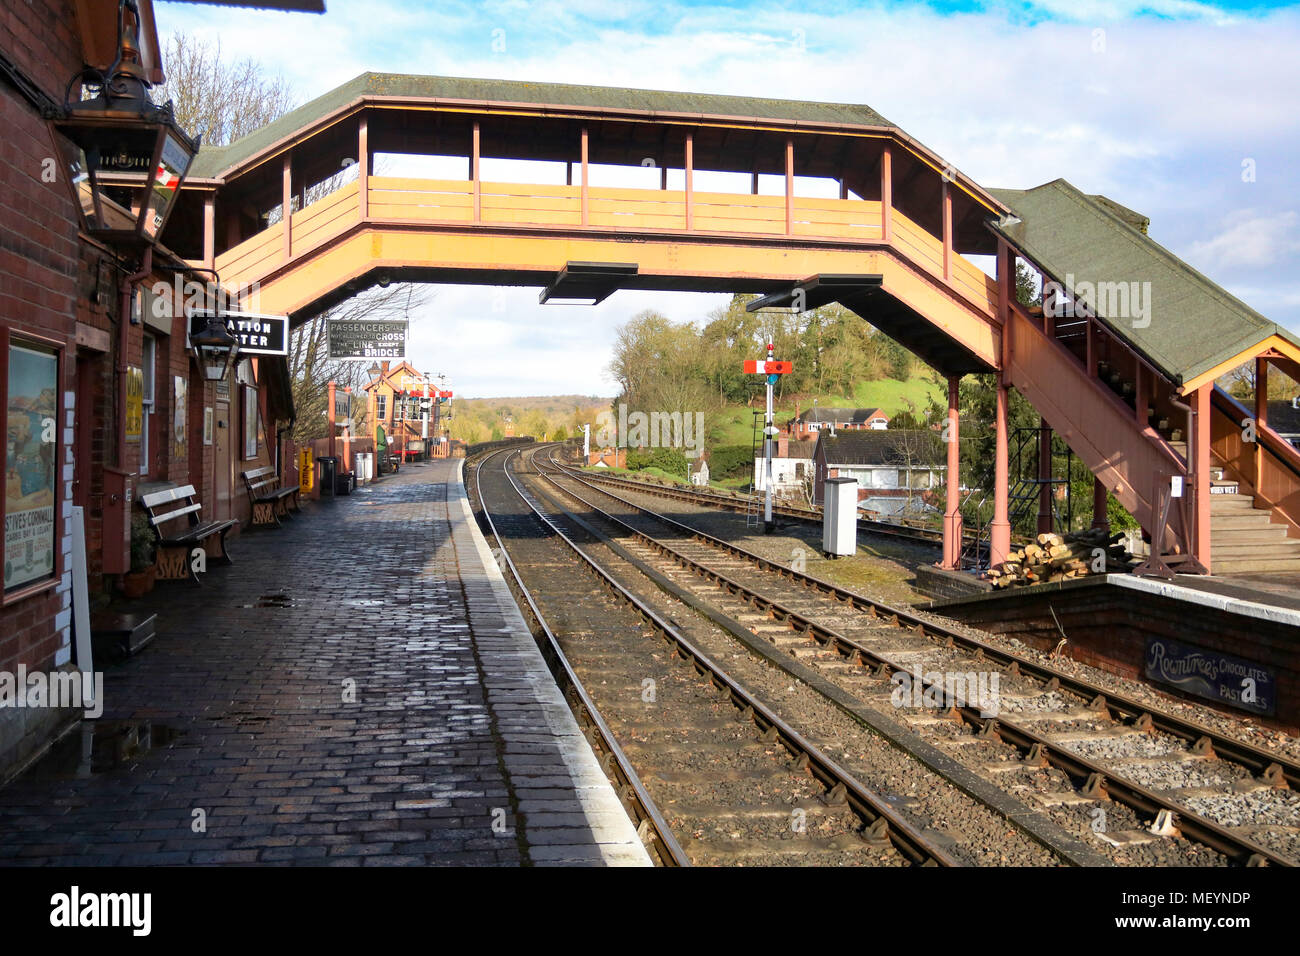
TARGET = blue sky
x,y
1155,104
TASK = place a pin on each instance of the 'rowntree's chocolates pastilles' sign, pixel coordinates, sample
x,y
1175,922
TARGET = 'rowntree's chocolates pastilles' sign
x,y
1212,675
361,339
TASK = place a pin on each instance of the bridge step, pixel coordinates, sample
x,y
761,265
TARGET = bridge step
x,y
1264,534
1239,565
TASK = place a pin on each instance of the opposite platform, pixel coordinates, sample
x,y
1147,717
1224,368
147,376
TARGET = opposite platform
x,y
358,688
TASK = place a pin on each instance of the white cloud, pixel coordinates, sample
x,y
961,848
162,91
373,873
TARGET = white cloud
x,y
1248,240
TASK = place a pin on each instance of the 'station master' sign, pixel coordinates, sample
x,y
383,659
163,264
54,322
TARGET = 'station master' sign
x,y
257,334
362,339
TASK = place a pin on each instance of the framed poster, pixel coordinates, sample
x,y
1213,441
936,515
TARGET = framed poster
x,y
207,425
180,413
31,457
250,422
134,403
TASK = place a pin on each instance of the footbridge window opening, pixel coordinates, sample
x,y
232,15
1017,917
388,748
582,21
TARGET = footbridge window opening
x,y
421,166
529,172
645,175
327,182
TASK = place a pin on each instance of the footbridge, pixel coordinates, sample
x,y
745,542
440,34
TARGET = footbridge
x,y
581,191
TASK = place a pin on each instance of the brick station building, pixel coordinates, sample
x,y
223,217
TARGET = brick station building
x,y
104,399
395,398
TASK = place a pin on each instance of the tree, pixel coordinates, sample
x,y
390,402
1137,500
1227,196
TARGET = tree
x,y
219,100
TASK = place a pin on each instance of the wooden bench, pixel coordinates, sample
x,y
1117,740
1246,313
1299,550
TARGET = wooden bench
x,y
270,501
175,547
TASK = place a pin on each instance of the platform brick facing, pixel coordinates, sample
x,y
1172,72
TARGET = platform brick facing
x,y
1107,628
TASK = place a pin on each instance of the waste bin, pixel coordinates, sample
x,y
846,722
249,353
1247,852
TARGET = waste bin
x,y
329,466
344,482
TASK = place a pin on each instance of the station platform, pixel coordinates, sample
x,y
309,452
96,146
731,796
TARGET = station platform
x,y
359,688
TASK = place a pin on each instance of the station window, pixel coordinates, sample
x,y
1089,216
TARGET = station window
x,y
381,407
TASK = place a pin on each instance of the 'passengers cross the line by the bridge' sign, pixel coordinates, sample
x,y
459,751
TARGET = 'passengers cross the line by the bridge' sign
x,y
361,340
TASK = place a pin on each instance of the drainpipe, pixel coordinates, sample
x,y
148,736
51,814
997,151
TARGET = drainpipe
x,y
124,325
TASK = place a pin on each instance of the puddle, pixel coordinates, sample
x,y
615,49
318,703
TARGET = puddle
x,y
271,600
99,746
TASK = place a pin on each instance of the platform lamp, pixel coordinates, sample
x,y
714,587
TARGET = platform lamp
x,y
125,156
216,349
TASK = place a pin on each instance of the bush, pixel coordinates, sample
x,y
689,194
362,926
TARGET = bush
x,y
731,461
669,460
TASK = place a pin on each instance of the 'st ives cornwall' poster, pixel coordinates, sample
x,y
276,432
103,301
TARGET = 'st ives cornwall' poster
x,y
30,460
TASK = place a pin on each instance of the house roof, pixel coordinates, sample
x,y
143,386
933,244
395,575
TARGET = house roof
x,y
898,447
212,161
853,416
1193,324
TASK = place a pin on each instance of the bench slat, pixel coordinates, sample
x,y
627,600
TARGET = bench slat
x,y
157,498
157,519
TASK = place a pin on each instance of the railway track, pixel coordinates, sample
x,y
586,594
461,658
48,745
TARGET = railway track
x,y
713,499
744,786
1171,775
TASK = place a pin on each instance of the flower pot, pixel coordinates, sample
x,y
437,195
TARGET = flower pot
x,y
138,583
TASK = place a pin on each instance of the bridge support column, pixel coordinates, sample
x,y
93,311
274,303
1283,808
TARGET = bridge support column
x,y
1100,518
1045,489
952,512
1200,477
1261,415
1000,530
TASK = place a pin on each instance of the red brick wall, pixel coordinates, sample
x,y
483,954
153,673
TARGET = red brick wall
x,y
39,272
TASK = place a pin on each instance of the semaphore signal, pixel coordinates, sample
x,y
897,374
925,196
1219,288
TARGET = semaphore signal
x,y
773,369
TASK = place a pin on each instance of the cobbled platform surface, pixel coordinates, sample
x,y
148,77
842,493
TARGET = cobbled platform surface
x,y
359,688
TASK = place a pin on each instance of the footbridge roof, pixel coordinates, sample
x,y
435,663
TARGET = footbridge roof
x,y
1186,325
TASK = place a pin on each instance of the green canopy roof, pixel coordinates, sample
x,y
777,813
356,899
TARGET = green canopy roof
x,y
1190,324
211,161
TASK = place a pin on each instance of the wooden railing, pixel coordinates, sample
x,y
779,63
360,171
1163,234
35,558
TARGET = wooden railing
x,y
1268,466
412,200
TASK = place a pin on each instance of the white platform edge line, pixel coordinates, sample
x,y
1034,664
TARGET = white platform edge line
x,y
1221,602
616,836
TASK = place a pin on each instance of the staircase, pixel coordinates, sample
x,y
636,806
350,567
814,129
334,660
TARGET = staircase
x,y
1243,539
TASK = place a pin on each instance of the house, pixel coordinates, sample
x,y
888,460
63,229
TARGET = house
x,y
809,422
792,468
896,470
1284,418
608,458
699,473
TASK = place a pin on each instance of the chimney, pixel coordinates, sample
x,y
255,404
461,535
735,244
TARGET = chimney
x,y
783,446
383,368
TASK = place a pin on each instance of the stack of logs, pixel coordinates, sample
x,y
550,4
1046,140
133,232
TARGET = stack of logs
x,y
1056,558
